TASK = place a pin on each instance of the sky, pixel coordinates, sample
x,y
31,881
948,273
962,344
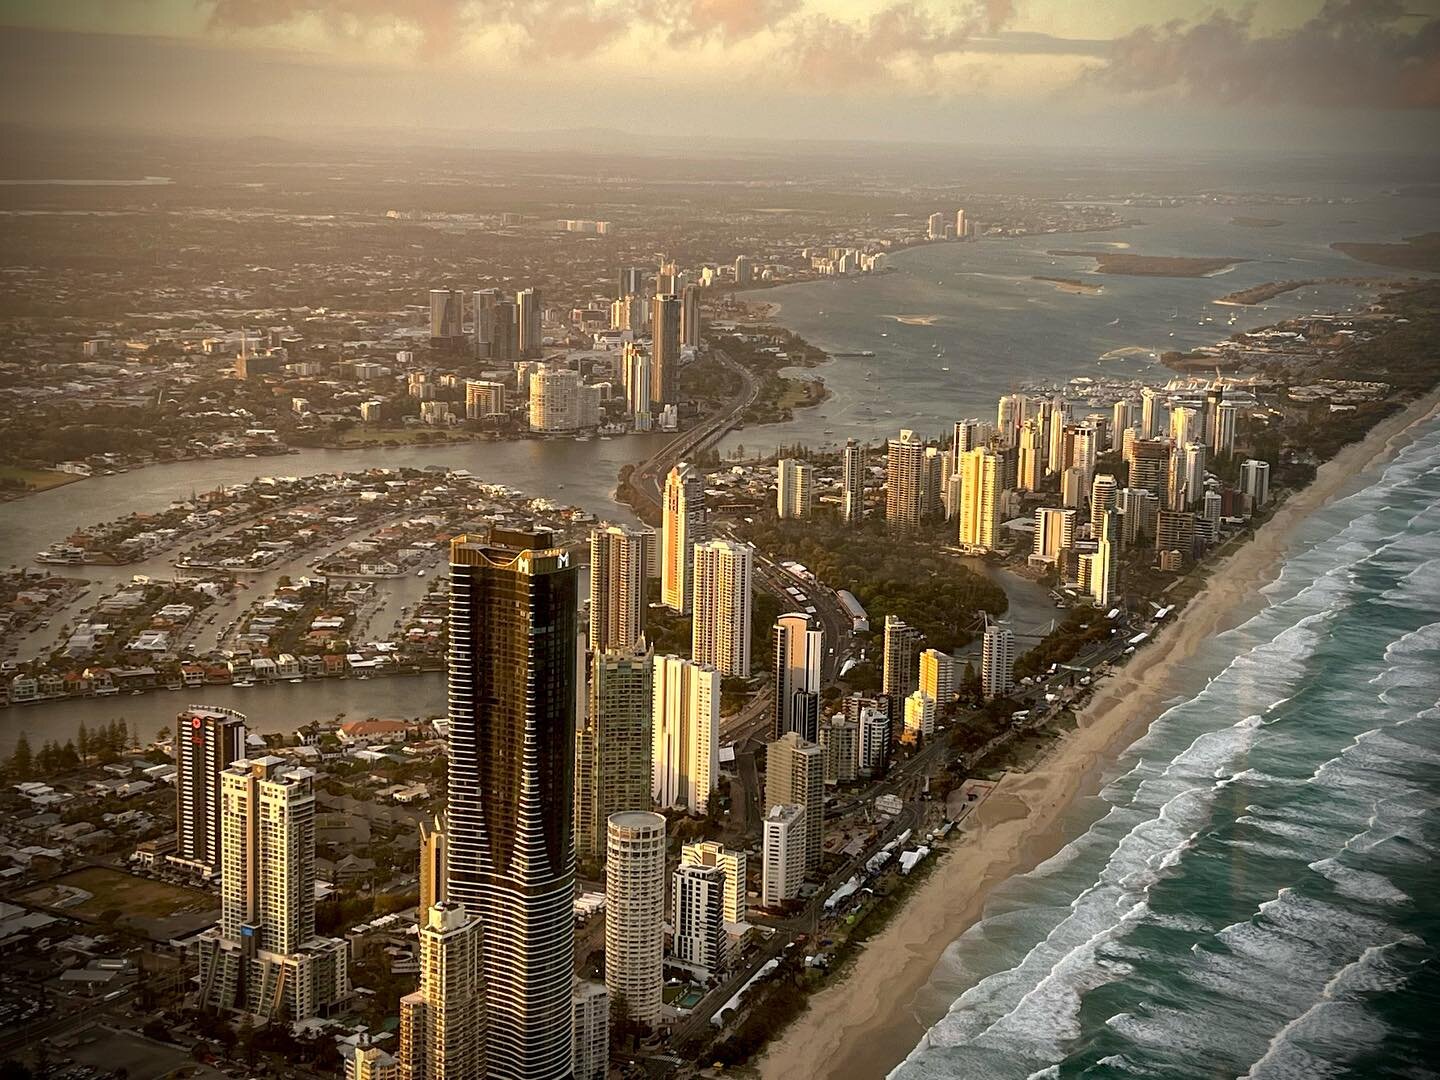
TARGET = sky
x,y
1302,74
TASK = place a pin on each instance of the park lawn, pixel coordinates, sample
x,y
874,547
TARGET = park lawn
x,y
135,897
37,479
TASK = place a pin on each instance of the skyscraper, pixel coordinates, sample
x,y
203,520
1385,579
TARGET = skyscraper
x,y
447,316
484,309
442,1024
1121,421
529,310
898,675
613,748
635,913
720,626
685,760
1104,565
1222,438
997,661
1104,492
1149,461
743,273
1255,481
1032,456
505,342
1150,405
1054,532
207,740
980,489
965,435
799,650
937,676
265,958
591,1004
690,315
905,476
840,739
665,351
617,587
513,639
794,488
684,517
631,283
852,494
795,773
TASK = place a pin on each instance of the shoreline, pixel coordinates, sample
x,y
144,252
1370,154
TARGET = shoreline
x,y
868,1022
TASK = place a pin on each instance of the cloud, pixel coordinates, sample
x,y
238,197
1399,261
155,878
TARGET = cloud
x,y
1353,54
835,52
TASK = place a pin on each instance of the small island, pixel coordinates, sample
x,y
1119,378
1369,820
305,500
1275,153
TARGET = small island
x,y
1072,285
1120,262
1259,294
1257,222
1416,253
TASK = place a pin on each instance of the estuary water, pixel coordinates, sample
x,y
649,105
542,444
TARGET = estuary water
x,y
998,326
1252,892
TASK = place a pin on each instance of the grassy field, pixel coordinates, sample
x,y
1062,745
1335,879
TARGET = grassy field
x,y
135,897
37,479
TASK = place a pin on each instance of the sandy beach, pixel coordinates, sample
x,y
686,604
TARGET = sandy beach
x,y
865,1025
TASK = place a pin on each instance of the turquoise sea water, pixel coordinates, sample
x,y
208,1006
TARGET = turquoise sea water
x,y
1253,891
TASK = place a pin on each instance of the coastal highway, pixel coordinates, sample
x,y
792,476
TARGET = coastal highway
x,y
649,476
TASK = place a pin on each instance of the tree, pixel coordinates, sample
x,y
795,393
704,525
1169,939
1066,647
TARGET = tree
x,y
22,761
82,741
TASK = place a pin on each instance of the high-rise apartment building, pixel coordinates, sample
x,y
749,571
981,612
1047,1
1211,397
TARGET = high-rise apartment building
x,y
1104,565
906,472
447,316
484,398
794,488
795,773
965,435
919,717
1054,532
697,912
852,483
631,281
1031,468
484,309
731,863
635,913
207,740
875,729
1122,419
980,500
1137,514
1149,461
1222,434
783,853
614,744
665,351
684,517
1104,492
799,650
590,1003
1255,481
685,760
617,587
265,957
442,1024
937,676
1151,402
840,739
997,661
743,272
513,665
690,315
529,314
720,625
898,672
555,399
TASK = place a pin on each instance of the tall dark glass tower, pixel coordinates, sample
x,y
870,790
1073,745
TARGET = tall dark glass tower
x,y
512,689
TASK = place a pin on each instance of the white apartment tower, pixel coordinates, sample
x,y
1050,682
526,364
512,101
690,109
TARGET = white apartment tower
x,y
852,493
919,717
720,627
685,733
783,849
997,661
697,912
635,912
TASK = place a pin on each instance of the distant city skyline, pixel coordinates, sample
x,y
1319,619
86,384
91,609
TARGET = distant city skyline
x,y
1177,72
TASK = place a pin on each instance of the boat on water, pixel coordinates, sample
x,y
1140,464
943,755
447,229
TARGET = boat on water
x,y
419,573
1114,322
944,369
240,684
293,681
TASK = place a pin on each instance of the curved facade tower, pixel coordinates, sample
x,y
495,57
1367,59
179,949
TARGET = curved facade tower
x,y
512,672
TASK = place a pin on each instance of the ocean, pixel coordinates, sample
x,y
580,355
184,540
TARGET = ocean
x,y
1252,893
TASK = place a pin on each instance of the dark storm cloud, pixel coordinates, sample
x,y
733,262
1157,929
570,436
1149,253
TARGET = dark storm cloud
x,y
1353,54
